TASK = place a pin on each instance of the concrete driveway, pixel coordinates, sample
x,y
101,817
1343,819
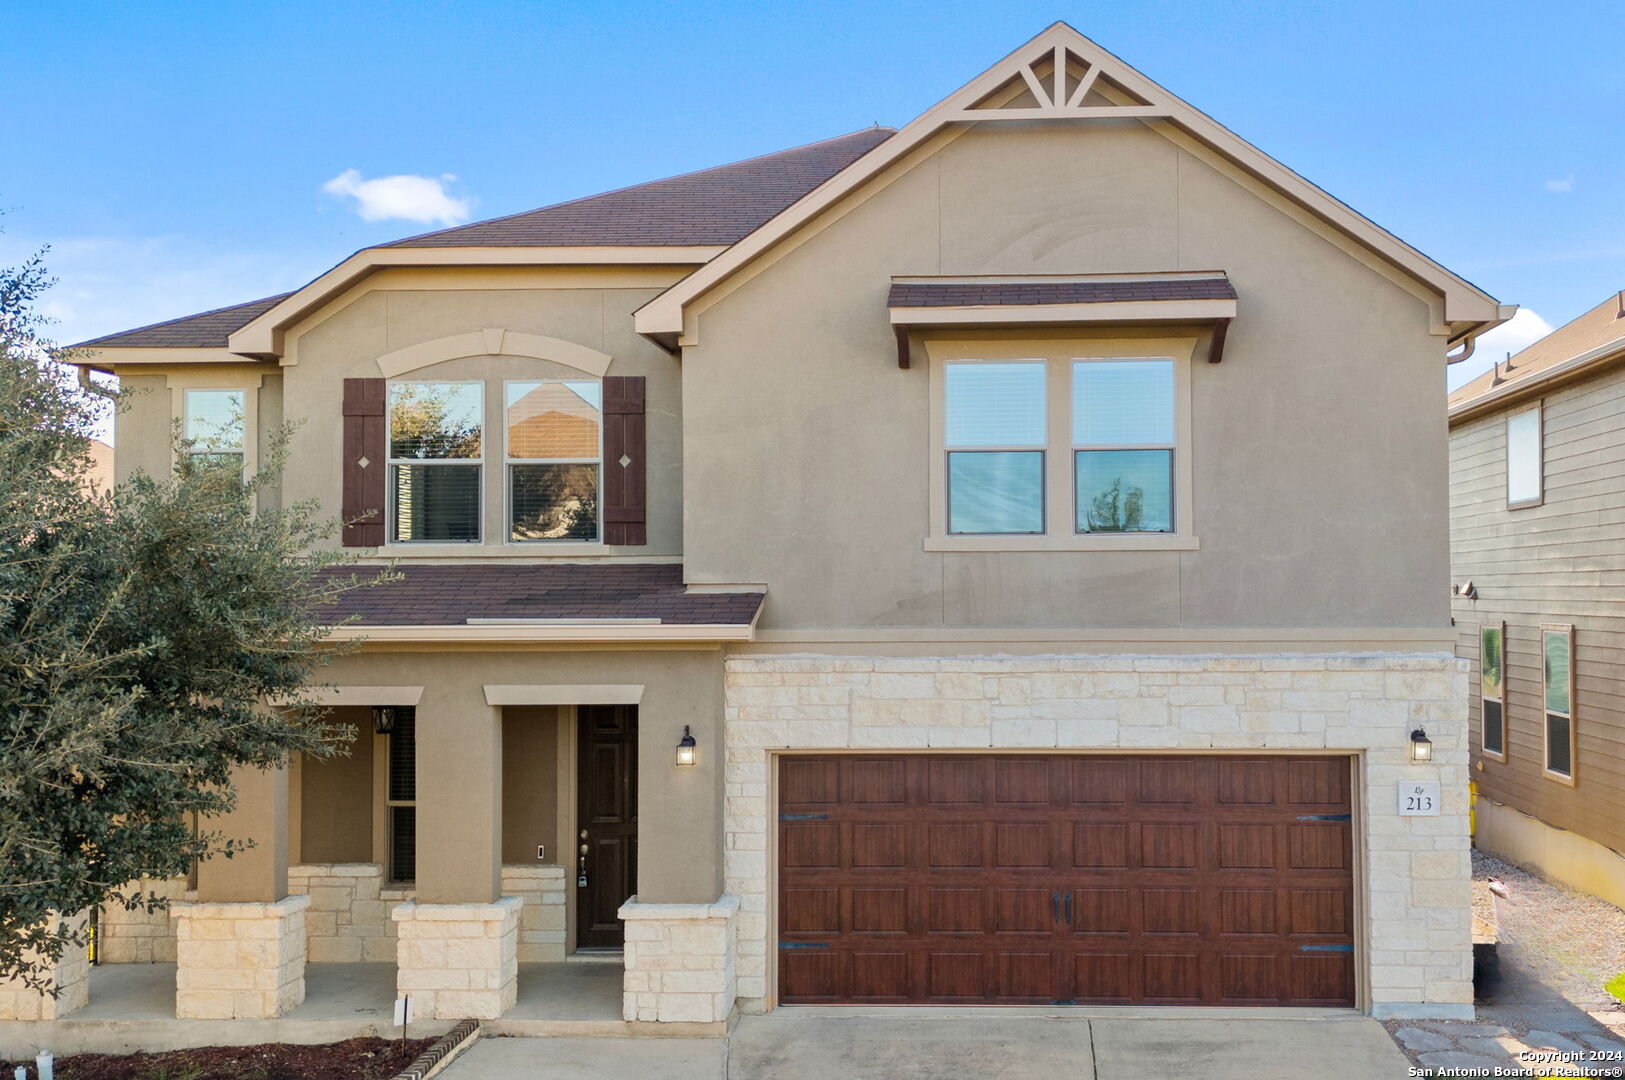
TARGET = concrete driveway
x,y
788,1045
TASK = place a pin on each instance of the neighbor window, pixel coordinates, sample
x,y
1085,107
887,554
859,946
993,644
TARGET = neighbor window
x,y
1492,689
401,796
1525,459
1123,445
435,455
215,428
554,458
1557,668
995,433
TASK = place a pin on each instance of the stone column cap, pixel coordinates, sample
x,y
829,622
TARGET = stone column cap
x,y
240,909
723,907
501,908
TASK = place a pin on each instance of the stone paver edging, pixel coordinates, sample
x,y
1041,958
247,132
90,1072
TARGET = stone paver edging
x,y
442,1053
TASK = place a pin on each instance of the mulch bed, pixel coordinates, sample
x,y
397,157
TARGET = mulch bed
x,y
354,1059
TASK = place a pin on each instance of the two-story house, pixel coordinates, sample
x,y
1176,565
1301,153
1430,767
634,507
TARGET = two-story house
x,y
993,561
1537,521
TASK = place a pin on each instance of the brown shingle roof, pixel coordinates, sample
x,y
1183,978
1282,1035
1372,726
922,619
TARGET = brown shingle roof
x,y
1602,324
451,595
208,330
710,207
979,293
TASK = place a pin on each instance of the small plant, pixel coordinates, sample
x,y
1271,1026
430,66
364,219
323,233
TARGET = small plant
x,y
1616,987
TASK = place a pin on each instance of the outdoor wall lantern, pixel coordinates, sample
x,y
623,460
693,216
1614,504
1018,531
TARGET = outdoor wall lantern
x,y
1421,747
383,719
685,748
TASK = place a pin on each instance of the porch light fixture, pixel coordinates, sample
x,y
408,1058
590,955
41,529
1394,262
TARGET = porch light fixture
x,y
1421,747
685,748
383,719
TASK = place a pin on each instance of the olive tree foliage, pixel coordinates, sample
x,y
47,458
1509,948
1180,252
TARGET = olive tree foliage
x,y
142,632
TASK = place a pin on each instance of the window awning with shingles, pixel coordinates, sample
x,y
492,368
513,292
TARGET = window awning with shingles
x,y
1203,297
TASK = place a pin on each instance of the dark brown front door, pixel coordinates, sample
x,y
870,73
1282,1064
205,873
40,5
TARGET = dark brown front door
x,y
607,821
1054,878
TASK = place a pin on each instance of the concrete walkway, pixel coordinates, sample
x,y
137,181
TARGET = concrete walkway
x,y
789,1045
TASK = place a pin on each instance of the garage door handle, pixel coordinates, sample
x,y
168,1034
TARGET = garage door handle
x,y
1055,906
1069,909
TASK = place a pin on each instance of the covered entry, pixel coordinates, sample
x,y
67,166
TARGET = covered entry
x,y
1060,878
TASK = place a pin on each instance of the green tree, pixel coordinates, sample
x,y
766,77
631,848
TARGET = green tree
x,y
141,632
1116,510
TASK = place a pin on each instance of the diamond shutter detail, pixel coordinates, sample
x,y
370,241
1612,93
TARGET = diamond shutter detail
x,y
625,485
364,463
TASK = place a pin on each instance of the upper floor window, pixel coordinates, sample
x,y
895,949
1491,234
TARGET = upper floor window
x,y
1492,689
1525,459
215,428
554,459
1557,675
1061,445
436,454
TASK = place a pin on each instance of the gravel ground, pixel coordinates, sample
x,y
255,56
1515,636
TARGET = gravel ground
x,y
1557,947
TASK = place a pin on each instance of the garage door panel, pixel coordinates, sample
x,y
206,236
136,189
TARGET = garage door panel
x,y
1100,846
1028,879
809,845
810,910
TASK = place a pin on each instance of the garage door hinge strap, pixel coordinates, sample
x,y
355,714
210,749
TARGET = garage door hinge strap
x,y
1325,948
803,944
803,817
1323,817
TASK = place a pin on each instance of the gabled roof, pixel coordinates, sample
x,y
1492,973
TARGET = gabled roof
x,y
699,212
712,206
207,330
1597,336
1062,75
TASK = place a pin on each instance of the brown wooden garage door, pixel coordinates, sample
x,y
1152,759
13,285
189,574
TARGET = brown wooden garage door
x,y
1038,879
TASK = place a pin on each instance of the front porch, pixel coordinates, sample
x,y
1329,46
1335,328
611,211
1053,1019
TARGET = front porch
x,y
132,1008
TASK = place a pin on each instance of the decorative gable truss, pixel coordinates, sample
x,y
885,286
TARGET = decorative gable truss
x,y
1057,82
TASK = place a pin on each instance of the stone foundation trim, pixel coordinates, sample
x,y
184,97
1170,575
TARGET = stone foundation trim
x,y
540,887
69,977
239,961
679,961
459,961
1425,1010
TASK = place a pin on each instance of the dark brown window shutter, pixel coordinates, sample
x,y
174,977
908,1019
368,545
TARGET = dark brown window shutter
x,y
364,463
626,496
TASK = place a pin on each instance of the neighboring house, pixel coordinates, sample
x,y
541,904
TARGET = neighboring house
x,y
1537,518
995,561
99,477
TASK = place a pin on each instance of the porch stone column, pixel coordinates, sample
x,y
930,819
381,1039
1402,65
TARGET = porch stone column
x,y
459,796
679,961
239,961
69,977
459,961
240,950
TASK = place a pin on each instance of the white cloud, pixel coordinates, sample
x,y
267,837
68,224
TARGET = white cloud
x,y
1563,185
410,198
1513,336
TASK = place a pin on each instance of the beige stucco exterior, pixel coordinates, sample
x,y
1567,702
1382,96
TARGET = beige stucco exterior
x,y
788,450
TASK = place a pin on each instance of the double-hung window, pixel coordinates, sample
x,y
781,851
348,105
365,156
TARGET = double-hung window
x,y
1557,677
1057,444
435,461
1526,467
996,437
555,435
1492,694
1123,445
215,429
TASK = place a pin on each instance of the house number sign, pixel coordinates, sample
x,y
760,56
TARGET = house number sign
x,y
1418,798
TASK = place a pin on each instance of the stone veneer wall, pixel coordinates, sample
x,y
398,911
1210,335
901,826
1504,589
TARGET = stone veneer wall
x,y
1417,869
70,977
239,961
679,961
459,961
540,888
348,919
139,936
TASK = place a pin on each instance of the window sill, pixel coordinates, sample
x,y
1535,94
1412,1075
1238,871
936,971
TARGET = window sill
x,y
408,552
1558,778
1121,542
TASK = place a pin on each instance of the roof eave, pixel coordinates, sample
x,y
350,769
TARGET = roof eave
x,y
1586,364
607,632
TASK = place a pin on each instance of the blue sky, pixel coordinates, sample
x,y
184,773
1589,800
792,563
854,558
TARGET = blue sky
x,y
179,157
